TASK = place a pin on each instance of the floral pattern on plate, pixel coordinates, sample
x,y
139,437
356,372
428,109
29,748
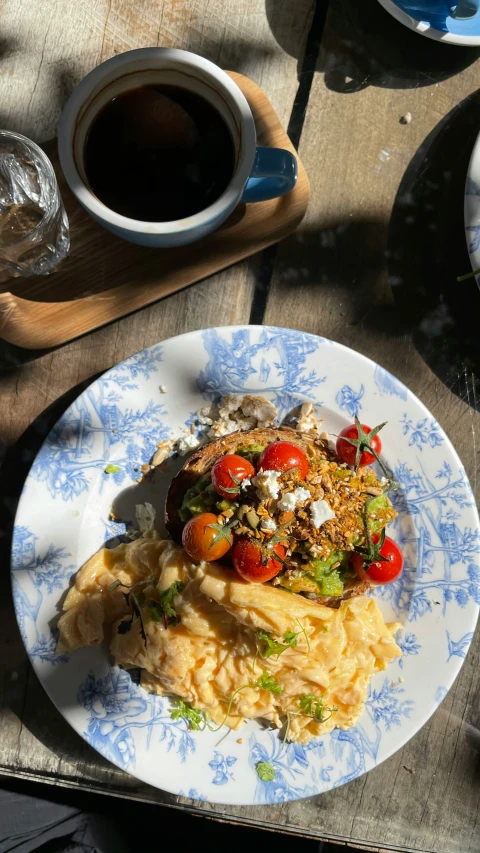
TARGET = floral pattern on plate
x,y
94,455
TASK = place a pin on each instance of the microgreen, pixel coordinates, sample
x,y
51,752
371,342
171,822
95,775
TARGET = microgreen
x,y
126,624
161,608
184,711
265,771
468,275
224,532
265,682
269,646
268,682
312,706
166,598
112,469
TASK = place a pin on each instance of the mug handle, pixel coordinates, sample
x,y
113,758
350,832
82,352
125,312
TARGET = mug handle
x,y
274,173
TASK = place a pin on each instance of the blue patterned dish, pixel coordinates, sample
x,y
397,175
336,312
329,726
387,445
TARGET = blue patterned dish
x,y
472,208
432,18
63,518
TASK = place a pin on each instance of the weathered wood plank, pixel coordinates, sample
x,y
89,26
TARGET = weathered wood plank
x,y
331,279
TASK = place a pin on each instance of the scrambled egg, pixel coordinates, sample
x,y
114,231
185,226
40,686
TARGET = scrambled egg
x,y
213,649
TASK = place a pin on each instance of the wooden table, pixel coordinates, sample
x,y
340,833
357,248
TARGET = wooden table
x,y
385,122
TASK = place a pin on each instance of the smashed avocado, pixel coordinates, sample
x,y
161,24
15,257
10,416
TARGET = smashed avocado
x,y
202,497
251,452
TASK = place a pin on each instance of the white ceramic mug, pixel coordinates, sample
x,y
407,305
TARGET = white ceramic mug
x,y
259,173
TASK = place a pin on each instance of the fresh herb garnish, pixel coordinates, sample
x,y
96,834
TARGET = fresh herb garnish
x,y
126,624
265,682
166,598
265,771
268,646
224,532
184,711
312,706
468,275
159,609
112,469
134,603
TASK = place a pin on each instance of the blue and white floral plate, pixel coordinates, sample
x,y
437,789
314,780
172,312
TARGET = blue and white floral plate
x,y
63,518
432,18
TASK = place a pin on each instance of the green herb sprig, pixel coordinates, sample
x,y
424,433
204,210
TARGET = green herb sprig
x,y
265,682
192,716
468,275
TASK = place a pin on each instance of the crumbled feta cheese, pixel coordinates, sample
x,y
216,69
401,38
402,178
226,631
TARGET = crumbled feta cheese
x,y
186,443
203,416
228,404
320,512
383,481
267,484
268,524
224,426
290,500
245,483
243,424
258,408
301,494
287,502
162,389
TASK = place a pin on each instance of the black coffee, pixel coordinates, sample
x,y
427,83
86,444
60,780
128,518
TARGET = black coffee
x,y
159,153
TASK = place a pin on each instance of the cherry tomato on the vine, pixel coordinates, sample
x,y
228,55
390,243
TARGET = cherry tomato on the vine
x,y
228,472
347,451
198,538
283,456
382,572
247,560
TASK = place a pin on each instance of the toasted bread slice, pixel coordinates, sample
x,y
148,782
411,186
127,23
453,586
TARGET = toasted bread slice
x,y
201,462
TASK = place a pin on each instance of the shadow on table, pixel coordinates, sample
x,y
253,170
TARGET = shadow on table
x,y
427,251
365,46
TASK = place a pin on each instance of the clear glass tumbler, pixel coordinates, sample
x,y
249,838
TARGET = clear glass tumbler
x,y
34,235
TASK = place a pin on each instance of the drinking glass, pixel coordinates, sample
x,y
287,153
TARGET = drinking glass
x,y
34,235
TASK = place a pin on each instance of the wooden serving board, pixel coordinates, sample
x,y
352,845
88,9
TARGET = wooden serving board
x,y
104,277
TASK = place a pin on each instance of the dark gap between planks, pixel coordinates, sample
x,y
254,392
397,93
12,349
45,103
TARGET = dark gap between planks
x,y
294,130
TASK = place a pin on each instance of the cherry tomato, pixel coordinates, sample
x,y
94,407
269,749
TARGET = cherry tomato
x,y
222,472
247,560
198,536
381,573
283,456
347,451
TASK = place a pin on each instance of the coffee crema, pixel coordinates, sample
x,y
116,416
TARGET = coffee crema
x,y
158,153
